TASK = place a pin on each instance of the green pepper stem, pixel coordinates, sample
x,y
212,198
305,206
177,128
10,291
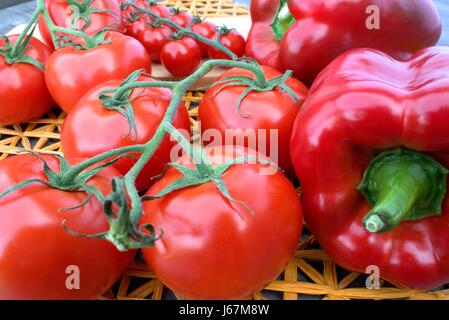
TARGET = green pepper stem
x,y
282,21
402,185
395,202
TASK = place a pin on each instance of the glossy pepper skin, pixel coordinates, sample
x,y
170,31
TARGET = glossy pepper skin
x,y
364,103
326,28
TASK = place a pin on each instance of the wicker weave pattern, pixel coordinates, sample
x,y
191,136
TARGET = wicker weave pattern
x,y
210,8
309,274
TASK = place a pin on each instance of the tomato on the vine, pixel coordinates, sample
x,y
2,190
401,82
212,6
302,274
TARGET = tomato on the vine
x,y
132,15
152,36
41,260
273,111
232,40
91,129
71,73
206,29
181,57
23,93
215,248
61,13
180,18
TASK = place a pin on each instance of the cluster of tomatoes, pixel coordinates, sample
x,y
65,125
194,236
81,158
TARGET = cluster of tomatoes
x,y
180,54
212,246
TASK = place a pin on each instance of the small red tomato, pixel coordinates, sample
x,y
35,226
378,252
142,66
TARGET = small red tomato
x,y
181,57
23,92
152,37
91,129
213,248
232,40
132,15
180,18
206,29
159,9
38,257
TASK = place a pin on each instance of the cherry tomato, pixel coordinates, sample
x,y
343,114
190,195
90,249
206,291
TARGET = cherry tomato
x,y
232,40
61,15
132,15
273,111
71,73
180,18
206,29
90,129
41,260
152,37
23,93
181,57
213,248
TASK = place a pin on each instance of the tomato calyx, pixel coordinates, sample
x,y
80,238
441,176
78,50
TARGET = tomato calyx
x,y
197,19
16,53
205,172
254,85
122,103
66,179
123,232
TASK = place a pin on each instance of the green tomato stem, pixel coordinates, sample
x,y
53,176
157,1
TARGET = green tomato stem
x,y
24,33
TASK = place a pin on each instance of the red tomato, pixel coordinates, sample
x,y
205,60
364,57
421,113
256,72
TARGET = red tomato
x,y
216,249
206,29
37,253
152,38
181,57
273,111
181,18
71,73
61,15
232,40
161,10
128,14
90,129
23,93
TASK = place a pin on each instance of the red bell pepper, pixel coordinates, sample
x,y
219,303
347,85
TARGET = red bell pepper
x,y
371,148
307,35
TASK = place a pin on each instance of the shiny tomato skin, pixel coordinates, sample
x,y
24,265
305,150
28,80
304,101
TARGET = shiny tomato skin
x,y
269,111
60,13
214,249
181,19
23,93
206,29
234,41
71,73
90,129
152,38
35,250
181,57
